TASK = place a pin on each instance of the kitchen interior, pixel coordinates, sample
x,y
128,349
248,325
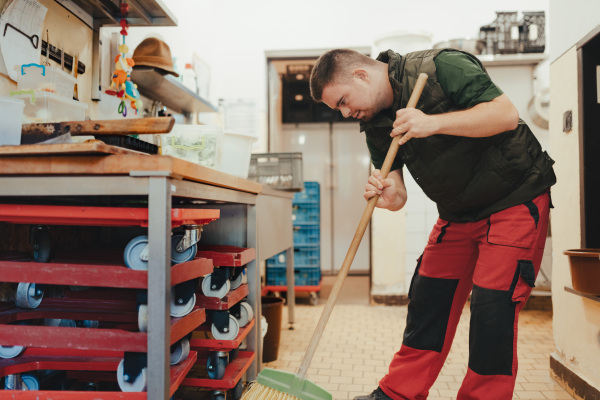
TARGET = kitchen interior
x,y
180,111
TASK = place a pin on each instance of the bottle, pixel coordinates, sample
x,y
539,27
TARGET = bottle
x,y
188,78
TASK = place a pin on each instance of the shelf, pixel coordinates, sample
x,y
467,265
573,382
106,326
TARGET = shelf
x,y
199,343
94,339
233,373
99,216
99,13
169,91
503,60
226,256
297,288
230,299
587,296
38,360
113,275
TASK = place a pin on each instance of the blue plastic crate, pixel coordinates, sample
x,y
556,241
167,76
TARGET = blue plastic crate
x,y
306,213
307,235
303,257
310,194
307,257
303,276
278,260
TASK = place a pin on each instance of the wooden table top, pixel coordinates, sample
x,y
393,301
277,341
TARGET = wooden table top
x,y
96,158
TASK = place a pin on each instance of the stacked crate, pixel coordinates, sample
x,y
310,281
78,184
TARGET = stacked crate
x,y
307,246
508,35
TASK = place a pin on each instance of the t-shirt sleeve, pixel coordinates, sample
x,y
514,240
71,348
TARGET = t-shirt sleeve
x,y
463,80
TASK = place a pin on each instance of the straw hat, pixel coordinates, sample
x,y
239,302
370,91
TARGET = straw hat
x,y
153,52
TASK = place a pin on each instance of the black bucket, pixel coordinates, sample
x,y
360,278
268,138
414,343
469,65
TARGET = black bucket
x,y
272,308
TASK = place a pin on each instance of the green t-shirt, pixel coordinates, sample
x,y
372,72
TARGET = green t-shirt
x,y
463,81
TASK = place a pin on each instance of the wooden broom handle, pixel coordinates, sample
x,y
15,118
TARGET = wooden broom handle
x,y
362,227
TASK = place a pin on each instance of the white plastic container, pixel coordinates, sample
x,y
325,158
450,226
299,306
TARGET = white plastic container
x,y
11,115
45,78
200,144
401,42
237,149
43,107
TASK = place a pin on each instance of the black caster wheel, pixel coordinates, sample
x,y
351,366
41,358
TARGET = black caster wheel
x,y
216,364
10,351
246,314
209,291
136,253
139,384
217,395
180,352
186,255
238,390
30,382
41,245
181,310
237,282
234,329
29,295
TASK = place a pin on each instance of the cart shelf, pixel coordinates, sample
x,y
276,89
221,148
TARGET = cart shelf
x,y
35,359
227,256
233,373
99,216
94,339
220,345
103,275
267,289
230,299
78,309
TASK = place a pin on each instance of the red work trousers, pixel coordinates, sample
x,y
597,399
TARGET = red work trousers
x,y
496,260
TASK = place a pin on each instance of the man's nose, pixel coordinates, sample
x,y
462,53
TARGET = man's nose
x,y
345,111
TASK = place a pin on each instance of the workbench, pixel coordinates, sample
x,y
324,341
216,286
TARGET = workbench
x,y
98,170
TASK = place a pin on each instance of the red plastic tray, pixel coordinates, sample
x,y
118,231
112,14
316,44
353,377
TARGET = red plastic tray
x,y
233,373
227,256
230,299
94,339
37,359
267,289
103,275
98,216
221,345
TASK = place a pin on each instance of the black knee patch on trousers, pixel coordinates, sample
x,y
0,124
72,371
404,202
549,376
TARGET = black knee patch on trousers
x,y
492,331
428,312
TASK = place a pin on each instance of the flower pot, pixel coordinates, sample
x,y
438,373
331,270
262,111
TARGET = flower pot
x,y
585,270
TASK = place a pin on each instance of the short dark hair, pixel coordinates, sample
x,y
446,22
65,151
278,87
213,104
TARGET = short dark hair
x,y
331,66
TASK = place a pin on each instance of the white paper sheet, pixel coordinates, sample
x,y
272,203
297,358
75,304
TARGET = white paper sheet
x,y
21,39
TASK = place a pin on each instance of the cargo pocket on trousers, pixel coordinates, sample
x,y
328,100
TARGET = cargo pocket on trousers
x,y
523,281
516,226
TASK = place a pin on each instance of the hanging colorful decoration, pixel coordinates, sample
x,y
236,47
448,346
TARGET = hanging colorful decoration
x,y
124,88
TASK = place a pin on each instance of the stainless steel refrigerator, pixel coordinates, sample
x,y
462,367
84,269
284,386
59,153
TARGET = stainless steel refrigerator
x,y
335,155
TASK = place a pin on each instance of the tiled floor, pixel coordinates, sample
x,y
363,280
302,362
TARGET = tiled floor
x,y
360,339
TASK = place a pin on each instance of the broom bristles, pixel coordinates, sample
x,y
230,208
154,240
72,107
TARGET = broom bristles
x,y
260,392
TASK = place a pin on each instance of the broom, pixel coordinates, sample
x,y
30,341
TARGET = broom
x,y
280,385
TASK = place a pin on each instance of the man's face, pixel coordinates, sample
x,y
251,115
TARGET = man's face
x,y
353,98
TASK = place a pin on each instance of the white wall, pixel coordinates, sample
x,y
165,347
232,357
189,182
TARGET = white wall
x,y
576,320
232,35
570,21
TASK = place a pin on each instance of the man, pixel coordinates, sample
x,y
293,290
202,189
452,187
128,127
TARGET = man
x,y
467,149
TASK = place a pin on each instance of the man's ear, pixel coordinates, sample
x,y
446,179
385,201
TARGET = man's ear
x,y
361,73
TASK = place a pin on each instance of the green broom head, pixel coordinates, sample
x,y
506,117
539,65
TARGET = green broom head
x,y
291,384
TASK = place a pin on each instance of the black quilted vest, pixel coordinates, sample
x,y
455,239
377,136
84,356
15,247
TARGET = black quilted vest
x,y
468,178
